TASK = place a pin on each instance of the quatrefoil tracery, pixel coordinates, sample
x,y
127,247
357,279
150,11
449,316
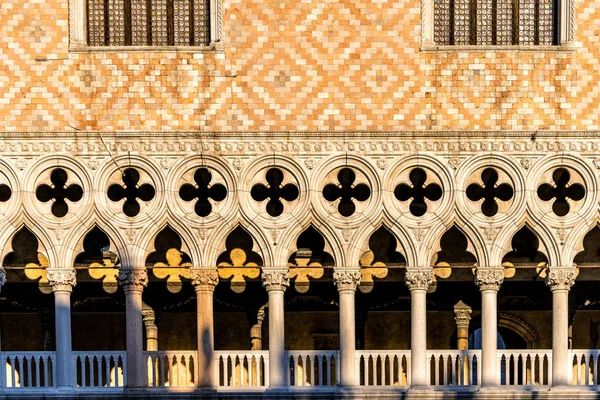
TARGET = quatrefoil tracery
x,y
274,191
346,192
490,192
561,191
58,192
174,270
131,192
418,191
203,192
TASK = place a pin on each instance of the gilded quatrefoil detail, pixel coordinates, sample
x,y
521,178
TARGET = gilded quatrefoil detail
x,y
202,191
490,192
418,191
304,271
174,270
238,270
561,191
131,192
108,272
346,192
370,270
58,191
274,191
37,271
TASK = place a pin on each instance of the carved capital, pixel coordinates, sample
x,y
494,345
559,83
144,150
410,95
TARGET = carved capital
x,y
346,279
133,278
275,280
419,279
204,279
148,316
61,279
560,278
462,314
489,278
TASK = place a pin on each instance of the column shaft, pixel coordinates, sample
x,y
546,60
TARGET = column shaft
x,y
418,337
65,374
489,338
277,360
347,338
205,337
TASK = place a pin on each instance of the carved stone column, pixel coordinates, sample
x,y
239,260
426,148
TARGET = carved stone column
x,y
346,280
149,318
489,281
62,282
205,281
276,282
418,281
256,328
133,281
560,280
462,316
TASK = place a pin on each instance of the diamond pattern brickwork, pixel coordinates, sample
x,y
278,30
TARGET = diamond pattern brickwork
x,y
331,65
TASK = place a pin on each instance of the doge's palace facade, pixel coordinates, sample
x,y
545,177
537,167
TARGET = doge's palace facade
x,y
373,198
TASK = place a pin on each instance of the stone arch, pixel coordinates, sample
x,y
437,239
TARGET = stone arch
x,y
520,327
170,259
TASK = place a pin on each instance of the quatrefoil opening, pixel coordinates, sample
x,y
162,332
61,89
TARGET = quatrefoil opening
x,y
561,191
346,191
58,192
274,191
310,259
26,262
168,261
490,192
418,192
131,192
203,192
100,262
239,262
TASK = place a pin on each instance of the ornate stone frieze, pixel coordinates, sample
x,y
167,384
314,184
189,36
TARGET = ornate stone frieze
x,y
560,278
346,279
204,279
489,278
61,279
275,280
419,279
133,278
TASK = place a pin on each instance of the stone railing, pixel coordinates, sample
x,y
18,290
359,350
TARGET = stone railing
x,y
100,369
241,369
585,367
175,368
454,367
28,369
383,367
313,367
524,367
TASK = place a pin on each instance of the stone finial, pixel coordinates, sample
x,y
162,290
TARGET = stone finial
x,y
204,279
462,314
489,278
61,279
560,278
346,279
419,279
275,280
133,278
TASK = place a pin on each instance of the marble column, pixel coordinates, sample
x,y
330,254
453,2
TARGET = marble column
x,y
133,281
489,281
78,22
276,282
62,282
462,316
418,281
346,280
205,280
560,280
149,318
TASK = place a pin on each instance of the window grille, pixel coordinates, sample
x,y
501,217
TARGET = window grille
x,y
496,22
148,22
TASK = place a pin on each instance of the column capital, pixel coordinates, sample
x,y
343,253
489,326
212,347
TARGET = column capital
x,y
148,316
204,278
346,278
462,314
489,279
419,278
277,280
560,278
133,278
61,279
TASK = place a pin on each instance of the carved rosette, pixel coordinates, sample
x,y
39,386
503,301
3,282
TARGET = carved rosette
x,y
275,280
560,278
61,279
346,279
133,278
204,279
419,279
489,278
2,277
